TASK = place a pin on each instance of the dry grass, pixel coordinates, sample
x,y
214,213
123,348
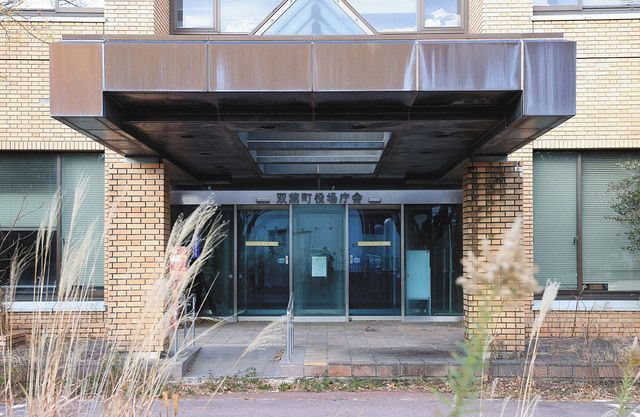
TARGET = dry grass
x,y
63,370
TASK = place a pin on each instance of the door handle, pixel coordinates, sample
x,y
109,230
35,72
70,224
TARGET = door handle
x,y
286,259
351,259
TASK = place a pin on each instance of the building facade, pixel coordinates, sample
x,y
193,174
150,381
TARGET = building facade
x,y
357,150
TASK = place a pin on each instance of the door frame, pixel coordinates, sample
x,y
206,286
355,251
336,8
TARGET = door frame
x,y
236,252
400,208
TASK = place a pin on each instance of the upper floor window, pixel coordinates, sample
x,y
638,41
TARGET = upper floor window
x,y
93,6
313,17
571,5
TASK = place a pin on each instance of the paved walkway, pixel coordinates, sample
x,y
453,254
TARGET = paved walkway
x,y
358,348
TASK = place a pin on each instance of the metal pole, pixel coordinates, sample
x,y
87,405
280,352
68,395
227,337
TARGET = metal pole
x,y
289,330
193,323
185,314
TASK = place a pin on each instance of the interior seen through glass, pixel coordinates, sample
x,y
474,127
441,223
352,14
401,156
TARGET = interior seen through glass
x,y
337,261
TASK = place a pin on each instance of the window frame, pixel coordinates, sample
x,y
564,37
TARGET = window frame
x,y
175,29
96,293
420,18
581,290
65,10
580,7
464,22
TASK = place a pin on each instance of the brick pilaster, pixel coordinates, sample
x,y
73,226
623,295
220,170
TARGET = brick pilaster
x,y
492,200
137,230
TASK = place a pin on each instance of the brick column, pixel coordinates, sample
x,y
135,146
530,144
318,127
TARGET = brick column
x,y
136,233
492,199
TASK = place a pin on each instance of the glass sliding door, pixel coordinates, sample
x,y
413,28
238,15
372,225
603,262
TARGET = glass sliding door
x,y
217,274
433,250
374,262
318,260
213,286
263,261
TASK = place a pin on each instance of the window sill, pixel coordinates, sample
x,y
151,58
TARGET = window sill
x,y
591,305
52,306
612,15
60,17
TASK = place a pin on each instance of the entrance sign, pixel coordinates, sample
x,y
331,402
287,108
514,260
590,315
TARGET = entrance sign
x,y
318,197
319,266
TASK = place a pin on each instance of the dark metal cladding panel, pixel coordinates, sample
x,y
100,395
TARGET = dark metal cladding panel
x,y
156,66
76,79
260,66
549,78
364,66
469,66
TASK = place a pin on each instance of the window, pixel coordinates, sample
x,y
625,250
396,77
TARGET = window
x,y
561,5
37,5
95,6
317,17
389,15
243,16
442,13
575,240
194,14
28,183
403,15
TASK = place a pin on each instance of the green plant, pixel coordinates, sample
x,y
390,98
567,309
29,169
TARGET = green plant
x,y
626,203
285,386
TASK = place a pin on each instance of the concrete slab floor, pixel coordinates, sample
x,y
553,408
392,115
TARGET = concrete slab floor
x,y
357,348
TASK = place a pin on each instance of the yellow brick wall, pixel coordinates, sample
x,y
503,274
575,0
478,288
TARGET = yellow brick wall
x,y
25,123
137,17
93,323
500,16
592,324
608,117
162,17
608,85
137,230
492,199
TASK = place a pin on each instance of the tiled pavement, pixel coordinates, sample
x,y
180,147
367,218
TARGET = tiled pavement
x,y
358,348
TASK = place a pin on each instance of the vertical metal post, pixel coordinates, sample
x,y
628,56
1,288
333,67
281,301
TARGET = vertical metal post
x,y
59,240
289,343
579,221
186,319
290,249
193,321
346,260
402,268
175,332
235,262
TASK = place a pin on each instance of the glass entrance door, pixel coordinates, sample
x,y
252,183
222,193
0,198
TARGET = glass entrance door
x,y
374,262
319,260
263,261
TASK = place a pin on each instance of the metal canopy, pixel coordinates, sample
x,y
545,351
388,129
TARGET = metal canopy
x,y
278,112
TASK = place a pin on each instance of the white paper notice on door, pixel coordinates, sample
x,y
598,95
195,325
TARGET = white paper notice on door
x,y
319,266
